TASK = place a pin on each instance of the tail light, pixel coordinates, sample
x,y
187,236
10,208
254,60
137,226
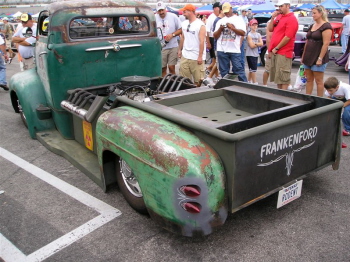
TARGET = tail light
x,y
191,190
192,207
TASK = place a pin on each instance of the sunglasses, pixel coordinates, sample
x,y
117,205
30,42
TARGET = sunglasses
x,y
188,27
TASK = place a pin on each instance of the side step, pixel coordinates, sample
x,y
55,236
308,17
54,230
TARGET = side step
x,y
83,159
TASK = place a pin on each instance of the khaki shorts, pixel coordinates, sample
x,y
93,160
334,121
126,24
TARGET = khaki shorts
x,y
267,63
189,68
169,56
280,70
28,63
8,44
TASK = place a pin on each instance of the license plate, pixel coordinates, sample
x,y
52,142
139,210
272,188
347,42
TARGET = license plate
x,y
289,193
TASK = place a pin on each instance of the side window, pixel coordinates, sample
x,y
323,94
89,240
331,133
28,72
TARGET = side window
x,y
94,27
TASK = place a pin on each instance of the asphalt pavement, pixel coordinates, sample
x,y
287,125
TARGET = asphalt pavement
x,y
50,211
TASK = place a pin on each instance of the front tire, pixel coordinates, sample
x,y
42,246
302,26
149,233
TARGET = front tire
x,y
21,113
130,187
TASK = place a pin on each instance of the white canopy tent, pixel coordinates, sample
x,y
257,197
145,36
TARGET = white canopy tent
x,y
17,14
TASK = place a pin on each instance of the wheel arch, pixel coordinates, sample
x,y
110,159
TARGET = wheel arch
x,y
24,85
109,168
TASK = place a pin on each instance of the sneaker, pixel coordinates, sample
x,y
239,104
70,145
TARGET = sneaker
x,y
209,81
346,133
343,145
4,87
10,60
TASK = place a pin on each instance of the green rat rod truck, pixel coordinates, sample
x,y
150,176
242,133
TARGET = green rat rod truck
x,y
187,156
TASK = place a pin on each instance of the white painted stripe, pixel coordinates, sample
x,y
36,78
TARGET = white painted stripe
x,y
9,252
70,190
70,238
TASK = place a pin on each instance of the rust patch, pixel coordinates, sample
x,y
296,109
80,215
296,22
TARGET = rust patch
x,y
58,57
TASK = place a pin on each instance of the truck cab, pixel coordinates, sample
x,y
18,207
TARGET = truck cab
x,y
83,45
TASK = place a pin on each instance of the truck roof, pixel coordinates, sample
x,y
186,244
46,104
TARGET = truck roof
x,y
80,4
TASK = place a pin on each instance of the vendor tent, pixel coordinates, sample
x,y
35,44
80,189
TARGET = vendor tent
x,y
305,6
263,8
205,8
331,4
17,14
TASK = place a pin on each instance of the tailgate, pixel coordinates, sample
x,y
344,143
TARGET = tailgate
x,y
263,163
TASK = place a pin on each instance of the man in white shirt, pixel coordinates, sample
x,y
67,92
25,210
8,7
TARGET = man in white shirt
x,y
210,38
3,58
345,32
228,32
170,26
25,36
191,49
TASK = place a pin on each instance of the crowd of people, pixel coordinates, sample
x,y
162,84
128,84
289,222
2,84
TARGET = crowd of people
x,y
25,38
231,40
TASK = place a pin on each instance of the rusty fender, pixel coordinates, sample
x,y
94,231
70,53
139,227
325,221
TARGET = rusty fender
x,y
165,157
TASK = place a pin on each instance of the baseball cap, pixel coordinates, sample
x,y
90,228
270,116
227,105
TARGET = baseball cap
x,y
346,10
282,2
217,4
26,17
226,7
160,5
189,7
253,21
5,18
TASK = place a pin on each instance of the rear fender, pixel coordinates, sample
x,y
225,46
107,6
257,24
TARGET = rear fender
x,y
26,87
164,157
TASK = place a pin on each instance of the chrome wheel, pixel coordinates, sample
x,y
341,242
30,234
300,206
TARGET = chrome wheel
x,y
129,179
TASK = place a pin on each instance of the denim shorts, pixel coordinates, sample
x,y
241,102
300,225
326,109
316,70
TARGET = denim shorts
x,y
316,68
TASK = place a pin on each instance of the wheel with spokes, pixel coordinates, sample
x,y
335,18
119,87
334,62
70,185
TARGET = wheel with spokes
x,y
130,188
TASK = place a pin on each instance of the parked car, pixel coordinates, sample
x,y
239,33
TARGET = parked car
x,y
304,23
262,20
299,44
336,23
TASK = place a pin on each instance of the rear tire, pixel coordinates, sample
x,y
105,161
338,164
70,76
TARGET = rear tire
x,y
129,187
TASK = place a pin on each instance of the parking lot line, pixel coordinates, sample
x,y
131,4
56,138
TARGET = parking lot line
x,y
9,252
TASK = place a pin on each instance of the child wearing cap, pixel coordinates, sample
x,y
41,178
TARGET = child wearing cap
x,y
254,41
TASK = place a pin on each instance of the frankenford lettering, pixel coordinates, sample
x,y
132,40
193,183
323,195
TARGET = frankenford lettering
x,y
288,142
